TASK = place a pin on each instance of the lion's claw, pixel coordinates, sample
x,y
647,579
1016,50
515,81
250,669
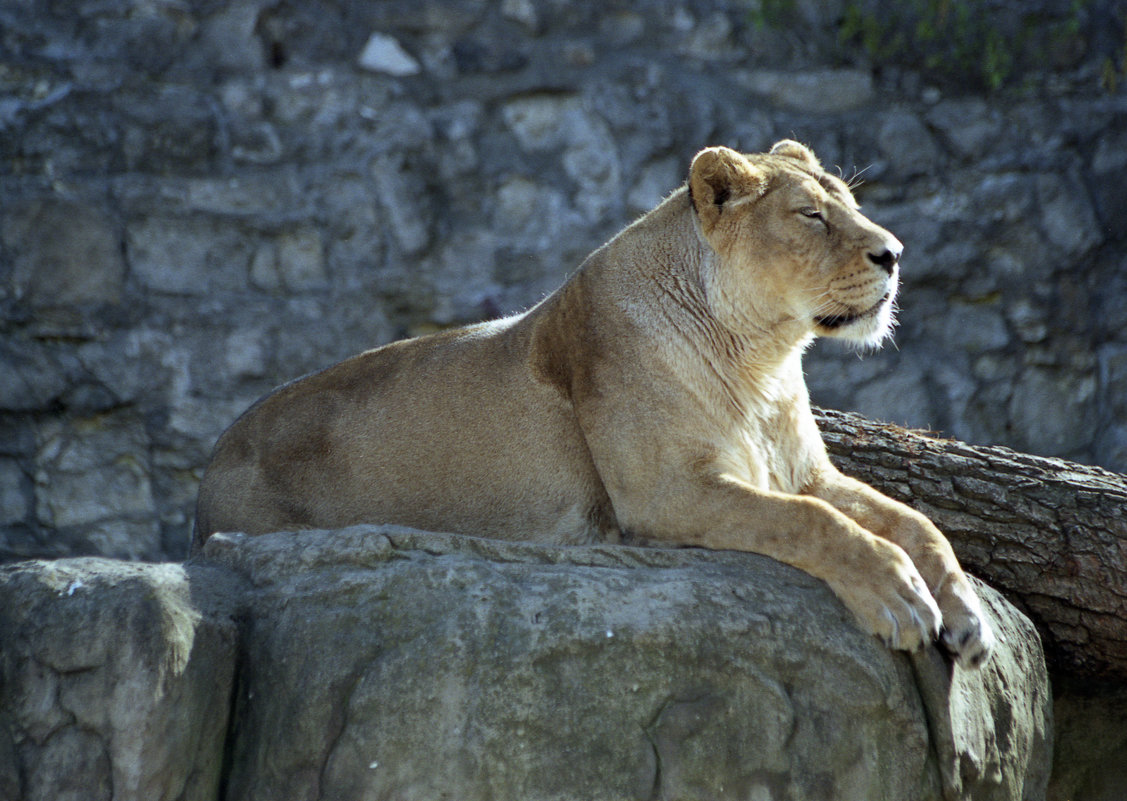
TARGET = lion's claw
x,y
967,634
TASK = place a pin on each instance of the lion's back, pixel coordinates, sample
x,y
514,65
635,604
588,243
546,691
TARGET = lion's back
x,y
448,432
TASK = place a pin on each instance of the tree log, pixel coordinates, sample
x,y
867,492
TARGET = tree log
x,y
1049,534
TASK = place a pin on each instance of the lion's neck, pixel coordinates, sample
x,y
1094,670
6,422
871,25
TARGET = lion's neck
x,y
653,273
745,344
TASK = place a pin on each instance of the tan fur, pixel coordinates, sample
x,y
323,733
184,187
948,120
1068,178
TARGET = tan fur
x,y
657,396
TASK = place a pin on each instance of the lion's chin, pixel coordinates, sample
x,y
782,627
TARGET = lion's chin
x,y
868,328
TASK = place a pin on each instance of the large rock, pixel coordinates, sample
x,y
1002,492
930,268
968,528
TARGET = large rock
x,y
382,663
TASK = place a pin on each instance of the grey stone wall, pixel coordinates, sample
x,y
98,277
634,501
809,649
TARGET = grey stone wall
x,y
201,200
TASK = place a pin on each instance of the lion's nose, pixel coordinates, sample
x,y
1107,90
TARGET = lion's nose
x,y
887,258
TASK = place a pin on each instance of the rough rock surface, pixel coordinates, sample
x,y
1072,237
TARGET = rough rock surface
x,y
1090,740
202,200
115,680
389,664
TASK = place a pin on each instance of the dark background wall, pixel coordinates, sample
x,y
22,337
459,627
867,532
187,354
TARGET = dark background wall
x,y
200,200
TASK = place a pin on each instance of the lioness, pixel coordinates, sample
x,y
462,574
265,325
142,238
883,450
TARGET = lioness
x,y
657,396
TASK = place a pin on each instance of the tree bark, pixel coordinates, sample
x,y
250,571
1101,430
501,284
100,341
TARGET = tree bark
x,y
1049,534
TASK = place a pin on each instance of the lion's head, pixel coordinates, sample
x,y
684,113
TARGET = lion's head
x,y
794,250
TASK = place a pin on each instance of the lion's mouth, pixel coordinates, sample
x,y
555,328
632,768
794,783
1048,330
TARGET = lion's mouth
x,y
832,321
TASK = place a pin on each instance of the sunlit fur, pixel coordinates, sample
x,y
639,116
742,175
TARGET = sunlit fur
x,y
656,397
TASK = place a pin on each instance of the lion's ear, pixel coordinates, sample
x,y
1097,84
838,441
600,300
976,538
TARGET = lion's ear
x,y
797,151
718,177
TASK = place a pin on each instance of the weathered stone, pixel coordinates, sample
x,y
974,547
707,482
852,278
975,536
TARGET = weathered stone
x,y
1112,360
461,279
383,53
833,373
547,122
66,253
971,126
654,183
907,144
899,396
72,765
1051,407
246,353
601,672
293,261
33,376
813,92
95,471
1091,720
1030,322
973,328
14,493
115,680
623,26
523,11
521,671
259,196
228,41
456,126
709,38
172,127
402,194
187,257
1067,215
1111,153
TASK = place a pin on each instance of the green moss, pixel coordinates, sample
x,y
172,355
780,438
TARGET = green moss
x,y
952,41
1113,70
973,44
771,14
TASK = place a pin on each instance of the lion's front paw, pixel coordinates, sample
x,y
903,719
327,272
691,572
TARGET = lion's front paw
x,y
966,632
894,604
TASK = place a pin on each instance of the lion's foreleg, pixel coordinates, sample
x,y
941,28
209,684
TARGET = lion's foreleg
x,y
965,629
873,577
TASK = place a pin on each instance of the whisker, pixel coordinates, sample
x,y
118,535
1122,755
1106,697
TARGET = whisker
x,y
856,181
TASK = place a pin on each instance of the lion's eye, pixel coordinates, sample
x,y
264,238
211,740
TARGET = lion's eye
x,y
812,213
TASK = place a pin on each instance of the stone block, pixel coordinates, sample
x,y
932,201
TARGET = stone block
x,y
34,376
654,183
1091,750
1051,408
971,328
171,128
403,197
1067,215
587,149
192,256
523,11
228,43
294,261
970,126
907,144
383,53
66,253
820,91
899,396
94,472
